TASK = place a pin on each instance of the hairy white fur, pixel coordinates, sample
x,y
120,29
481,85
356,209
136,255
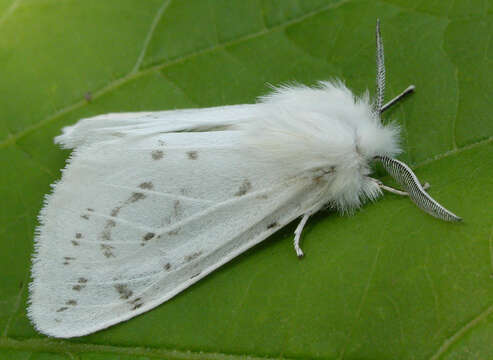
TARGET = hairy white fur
x,y
150,203
325,132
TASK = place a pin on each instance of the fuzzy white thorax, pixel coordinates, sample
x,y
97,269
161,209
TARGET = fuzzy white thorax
x,y
325,132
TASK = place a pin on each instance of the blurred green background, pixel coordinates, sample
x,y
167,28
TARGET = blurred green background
x,y
389,282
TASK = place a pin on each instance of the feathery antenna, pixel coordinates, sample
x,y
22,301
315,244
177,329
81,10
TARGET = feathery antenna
x,y
408,180
380,71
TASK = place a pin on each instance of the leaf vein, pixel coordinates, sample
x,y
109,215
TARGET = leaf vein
x,y
461,332
152,29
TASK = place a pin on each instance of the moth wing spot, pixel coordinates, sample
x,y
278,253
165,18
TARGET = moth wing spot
x,y
78,287
78,235
136,196
111,223
85,216
71,302
167,266
148,185
75,243
195,275
107,250
82,280
193,256
193,155
68,260
63,308
124,291
136,303
273,225
147,237
174,232
106,235
115,211
177,208
245,187
157,154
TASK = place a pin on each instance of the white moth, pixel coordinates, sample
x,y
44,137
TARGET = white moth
x,y
152,202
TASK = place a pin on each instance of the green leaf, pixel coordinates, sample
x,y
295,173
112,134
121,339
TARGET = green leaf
x,y
390,282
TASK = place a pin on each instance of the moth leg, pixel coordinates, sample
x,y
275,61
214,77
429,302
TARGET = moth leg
x,y
297,234
426,186
407,91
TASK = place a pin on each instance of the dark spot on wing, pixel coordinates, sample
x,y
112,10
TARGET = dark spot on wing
x,y
157,154
106,234
124,291
68,260
78,235
245,187
90,209
272,225
193,155
115,211
193,256
81,284
111,223
136,196
148,236
85,216
177,208
147,185
63,308
75,243
136,303
71,302
167,266
107,250
195,275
